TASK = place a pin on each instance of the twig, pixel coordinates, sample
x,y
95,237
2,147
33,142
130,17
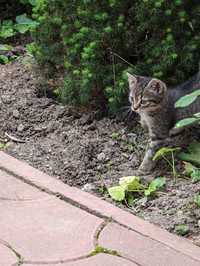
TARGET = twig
x,y
14,138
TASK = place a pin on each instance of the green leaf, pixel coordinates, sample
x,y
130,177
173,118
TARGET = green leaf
x,y
24,23
33,2
115,135
117,193
182,229
193,154
131,183
2,146
197,115
189,168
6,32
5,47
130,199
155,185
3,59
187,99
22,28
23,19
148,192
186,122
195,175
197,200
163,151
158,182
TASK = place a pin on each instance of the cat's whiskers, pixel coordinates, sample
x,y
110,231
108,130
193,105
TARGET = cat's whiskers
x,y
127,112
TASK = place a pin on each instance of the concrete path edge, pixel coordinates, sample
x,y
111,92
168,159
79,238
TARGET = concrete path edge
x,y
95,205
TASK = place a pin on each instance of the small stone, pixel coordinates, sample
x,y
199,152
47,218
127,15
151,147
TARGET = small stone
x,y
99,167
88,187
125,155
132,137
101,157
6,99
20,128
16,114
179,213
37,129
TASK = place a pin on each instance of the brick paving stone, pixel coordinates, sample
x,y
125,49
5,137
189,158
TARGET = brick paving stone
x,y
165,243
47,230
98,260
95,204
14,189
7,256
146,251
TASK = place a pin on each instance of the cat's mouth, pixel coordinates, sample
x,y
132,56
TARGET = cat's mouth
x,y
136,107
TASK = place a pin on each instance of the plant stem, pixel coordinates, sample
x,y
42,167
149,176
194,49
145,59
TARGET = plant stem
x,y
172,165
174,169
168,161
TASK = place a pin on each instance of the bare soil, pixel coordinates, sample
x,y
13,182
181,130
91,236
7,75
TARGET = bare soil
x,y
84,149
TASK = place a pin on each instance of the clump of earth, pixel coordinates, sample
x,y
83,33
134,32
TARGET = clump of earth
x,y
84,149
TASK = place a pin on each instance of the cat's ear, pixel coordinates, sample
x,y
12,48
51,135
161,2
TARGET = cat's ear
x,y
157,86
132,80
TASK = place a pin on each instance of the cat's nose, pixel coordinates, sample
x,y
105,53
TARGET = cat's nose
x,y
135,106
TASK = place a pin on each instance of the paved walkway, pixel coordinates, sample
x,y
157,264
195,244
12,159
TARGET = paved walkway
x,y
44,222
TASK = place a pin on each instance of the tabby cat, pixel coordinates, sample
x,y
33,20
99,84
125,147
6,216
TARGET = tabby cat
x,y
151,99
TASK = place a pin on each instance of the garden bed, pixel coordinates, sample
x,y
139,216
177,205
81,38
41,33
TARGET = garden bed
x,y
84,149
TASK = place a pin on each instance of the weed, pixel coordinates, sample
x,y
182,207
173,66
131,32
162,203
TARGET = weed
x,y
182,229
163,153
3,146
192,155
130,188
99,249
154,186
130,147
102,187
115,135
192,171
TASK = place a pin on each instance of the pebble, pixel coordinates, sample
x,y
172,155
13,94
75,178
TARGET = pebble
x,y
88,187
37,129
16,114
20,128
179,213
101,157
6,99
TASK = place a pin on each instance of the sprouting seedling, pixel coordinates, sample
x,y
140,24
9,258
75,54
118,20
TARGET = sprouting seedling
x,y
3,146
126,184
162,154
156,184
182,229
130,188
102,184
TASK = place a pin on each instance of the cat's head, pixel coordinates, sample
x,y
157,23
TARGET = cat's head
x,y
146,94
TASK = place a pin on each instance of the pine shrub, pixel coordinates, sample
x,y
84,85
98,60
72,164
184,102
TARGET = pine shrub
x,y
81,40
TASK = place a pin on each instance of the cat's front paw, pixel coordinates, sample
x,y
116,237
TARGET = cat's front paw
x,y
145,177
147,166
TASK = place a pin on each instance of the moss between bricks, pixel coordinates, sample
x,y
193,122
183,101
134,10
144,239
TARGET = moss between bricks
x,y
100,249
